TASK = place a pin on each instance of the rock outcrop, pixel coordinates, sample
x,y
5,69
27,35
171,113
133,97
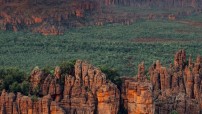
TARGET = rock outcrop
x,y
50,17
53,17
87,90
137,94
177,88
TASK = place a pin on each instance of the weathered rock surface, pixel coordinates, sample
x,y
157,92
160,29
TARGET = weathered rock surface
x,y
177,88
137,96
46,17
87,91
53,17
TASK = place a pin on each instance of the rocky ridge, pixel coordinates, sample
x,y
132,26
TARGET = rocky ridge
x,y
53,17
87,90
178,87
45,17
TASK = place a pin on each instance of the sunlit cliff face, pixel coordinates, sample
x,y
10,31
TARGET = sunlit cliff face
x,y
45,17
87,90
53,17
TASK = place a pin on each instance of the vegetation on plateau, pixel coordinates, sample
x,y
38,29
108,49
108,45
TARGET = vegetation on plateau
x,y
117,46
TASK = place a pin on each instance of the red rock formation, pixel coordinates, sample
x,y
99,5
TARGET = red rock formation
x,y
177,88
180,58
105,95
137,94
53,17
78,96
43,16
36,77
141,71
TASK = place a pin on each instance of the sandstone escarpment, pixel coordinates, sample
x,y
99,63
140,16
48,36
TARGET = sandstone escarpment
x,y
45,17
137,94
177,88
54,17
87,90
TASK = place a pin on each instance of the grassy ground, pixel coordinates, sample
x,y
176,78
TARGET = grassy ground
x,y
117,46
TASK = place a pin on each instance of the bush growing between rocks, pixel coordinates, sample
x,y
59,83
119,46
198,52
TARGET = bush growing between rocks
x,y
14,80
67,68
174,112
112,75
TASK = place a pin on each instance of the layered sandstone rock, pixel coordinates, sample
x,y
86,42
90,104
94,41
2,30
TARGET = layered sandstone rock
x,y
85,92
53,17
46,17
137,94
177,88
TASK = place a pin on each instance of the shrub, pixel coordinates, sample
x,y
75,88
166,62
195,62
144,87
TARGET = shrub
x,y
15,87
25,87
174,112
36,91
34,98
67,67
48,70
112,75
11,78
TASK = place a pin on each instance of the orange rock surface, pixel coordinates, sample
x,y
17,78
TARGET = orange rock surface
x,y
45,17
75,96
87,91
53,17
137,94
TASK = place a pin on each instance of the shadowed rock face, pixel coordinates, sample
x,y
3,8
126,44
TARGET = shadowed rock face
x,y
178,87
174,89
48,17
87,91
137,96
53,17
